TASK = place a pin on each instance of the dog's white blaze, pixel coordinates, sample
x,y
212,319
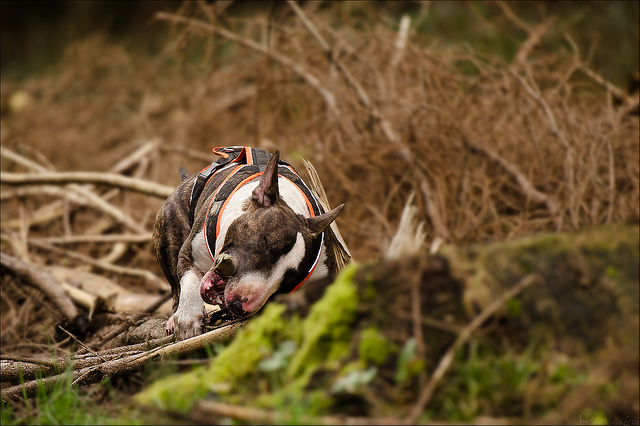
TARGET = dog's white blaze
x,y
201,258
288,191
261,286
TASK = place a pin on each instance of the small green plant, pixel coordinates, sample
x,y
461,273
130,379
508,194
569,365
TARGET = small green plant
x,y
58,404
484,382
276,363
409,364
354,380
6,413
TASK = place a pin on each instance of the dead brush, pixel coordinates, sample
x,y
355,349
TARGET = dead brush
x,y
503,150
493,150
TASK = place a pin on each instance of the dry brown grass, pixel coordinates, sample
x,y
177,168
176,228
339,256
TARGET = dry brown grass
x,y
493,150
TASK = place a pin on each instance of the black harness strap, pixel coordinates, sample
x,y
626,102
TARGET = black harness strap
x,y
228,155
251,161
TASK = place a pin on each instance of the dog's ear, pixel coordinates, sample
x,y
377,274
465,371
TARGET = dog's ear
x,y
184,174
319,223
266,193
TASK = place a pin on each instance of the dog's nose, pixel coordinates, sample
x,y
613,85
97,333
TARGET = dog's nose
x,y
235,306
223,266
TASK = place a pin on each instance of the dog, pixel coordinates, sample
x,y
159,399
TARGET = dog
x,y
244,229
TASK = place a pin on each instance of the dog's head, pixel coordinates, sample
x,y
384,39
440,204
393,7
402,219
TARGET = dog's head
x,y
265,247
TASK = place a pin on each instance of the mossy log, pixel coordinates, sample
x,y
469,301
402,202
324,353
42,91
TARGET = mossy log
x,y
589,288
365,344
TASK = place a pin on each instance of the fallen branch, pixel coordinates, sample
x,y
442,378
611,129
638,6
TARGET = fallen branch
x,y
157,283
87,286
112,179
48,190
122,365
53,210
98,202
84,193
112,238
43,282
16,369
207,409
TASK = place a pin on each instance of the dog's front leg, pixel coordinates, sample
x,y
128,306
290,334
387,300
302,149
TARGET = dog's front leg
x,y
186,322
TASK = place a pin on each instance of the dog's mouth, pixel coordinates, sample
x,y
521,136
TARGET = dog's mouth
x,y
212,289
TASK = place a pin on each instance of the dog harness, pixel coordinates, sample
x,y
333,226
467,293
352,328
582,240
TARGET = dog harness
x,y
245,165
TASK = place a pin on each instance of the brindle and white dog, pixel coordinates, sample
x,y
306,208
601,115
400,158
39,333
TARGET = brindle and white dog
x,y
243,229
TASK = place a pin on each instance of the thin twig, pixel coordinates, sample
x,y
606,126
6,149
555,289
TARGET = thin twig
x,y
155,305
618,92
432,208
465,334
312,80
513,17
526,186
112,238
88,349
612,181
555,131
385,124
401,40
535,35
136,156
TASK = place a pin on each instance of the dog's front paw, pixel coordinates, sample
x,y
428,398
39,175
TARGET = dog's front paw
x,y
185,325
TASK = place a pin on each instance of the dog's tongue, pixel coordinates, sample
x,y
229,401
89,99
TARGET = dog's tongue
x,y
212,288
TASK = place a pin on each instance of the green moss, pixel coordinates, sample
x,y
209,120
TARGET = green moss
x,y
253,343
370,292
487,270
374,347
251,346
322,340
326,332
